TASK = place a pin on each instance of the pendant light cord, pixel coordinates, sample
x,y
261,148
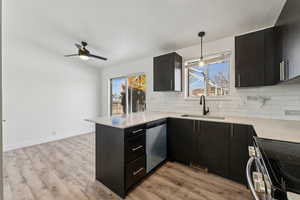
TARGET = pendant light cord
x,y
201,35
201,48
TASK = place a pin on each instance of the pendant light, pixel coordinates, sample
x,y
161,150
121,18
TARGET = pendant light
x,y
201,35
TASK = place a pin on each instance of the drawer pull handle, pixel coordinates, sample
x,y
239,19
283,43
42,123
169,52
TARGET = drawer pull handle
x,y
138,171
137,148
137,131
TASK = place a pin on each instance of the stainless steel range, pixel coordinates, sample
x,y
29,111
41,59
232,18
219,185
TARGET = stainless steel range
x,y
273,170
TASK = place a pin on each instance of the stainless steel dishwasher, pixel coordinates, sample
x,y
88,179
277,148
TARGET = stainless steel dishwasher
x,y
156,143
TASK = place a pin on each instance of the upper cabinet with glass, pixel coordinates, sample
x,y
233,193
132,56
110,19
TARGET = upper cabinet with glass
x,y
167,73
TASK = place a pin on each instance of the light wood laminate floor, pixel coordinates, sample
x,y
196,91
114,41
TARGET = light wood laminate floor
x,y
64,170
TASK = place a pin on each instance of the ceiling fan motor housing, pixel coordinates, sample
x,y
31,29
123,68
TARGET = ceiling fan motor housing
x,y
84,43
201,34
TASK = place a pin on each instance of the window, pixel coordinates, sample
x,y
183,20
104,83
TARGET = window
x,y
212,79
128,94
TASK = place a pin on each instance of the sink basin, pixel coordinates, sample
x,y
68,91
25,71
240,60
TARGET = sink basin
x,y
204,117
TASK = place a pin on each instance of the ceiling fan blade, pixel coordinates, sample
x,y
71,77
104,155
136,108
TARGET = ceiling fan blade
x,y
99,57
78,46
71,55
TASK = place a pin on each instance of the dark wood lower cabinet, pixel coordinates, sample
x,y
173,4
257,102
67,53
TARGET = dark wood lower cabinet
x,y
135,147
241,137
181,141
120,157
213,143
135,171
222,148
110,160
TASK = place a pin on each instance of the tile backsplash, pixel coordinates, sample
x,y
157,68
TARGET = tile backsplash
x,y
277,102
281,101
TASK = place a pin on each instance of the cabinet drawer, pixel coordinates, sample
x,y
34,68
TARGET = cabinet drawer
x,y
135,171
136,130
135,147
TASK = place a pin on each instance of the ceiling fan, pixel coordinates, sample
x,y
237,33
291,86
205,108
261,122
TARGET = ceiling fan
x,y
83,53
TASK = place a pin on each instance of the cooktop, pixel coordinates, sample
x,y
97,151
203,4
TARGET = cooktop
x,y
283,162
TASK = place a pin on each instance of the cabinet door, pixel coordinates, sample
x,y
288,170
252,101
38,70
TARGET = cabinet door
x,y
241,137
177,73
163,72
213,147
250,59
180,140
288,35
272,66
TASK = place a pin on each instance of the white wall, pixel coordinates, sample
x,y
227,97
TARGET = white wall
x,y
283,97
46,96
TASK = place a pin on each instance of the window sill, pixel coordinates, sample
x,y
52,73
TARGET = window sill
x,y
228,98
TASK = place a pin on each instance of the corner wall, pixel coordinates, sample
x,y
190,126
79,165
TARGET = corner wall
x,y
46,97
1,135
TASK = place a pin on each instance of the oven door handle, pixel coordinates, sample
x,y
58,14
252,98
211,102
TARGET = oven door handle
x,y
249,177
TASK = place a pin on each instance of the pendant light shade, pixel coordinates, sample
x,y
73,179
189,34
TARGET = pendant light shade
x,y
201,63
84,57
201,35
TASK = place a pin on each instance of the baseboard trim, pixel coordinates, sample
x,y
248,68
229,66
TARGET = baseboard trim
x,y
29,143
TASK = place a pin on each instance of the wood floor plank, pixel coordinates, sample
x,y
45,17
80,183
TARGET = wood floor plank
x,y
36,185
62,170
18,183
65,170
6,185
193,180
56,186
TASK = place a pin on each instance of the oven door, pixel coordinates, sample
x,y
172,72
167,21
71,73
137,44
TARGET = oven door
x,y
258,178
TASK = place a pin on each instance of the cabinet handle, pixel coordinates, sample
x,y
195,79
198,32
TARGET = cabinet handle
x,y
194,124
239,80
138,171
137,131
137,148
232,131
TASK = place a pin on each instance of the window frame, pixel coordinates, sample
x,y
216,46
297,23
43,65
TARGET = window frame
x,y
227,56
126,83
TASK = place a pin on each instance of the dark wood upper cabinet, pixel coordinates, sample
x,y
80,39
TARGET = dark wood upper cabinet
x,y
255,59
288,38
167,72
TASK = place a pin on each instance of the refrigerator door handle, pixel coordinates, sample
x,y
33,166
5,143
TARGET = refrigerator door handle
x,y
249,178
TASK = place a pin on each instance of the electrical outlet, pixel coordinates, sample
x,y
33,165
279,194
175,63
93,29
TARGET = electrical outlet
x,y
53,133
292,112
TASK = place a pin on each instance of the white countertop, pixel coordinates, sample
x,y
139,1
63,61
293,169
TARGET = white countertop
x,y
286,130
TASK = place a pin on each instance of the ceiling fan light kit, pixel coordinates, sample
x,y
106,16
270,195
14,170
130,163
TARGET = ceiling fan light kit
x,y
84,57
83,53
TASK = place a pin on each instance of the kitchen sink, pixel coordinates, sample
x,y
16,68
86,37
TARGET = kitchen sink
x,y
204,117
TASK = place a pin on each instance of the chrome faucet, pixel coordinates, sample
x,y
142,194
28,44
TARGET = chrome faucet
x,y
202,102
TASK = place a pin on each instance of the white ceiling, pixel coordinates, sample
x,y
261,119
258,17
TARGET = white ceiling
x,y
125,30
